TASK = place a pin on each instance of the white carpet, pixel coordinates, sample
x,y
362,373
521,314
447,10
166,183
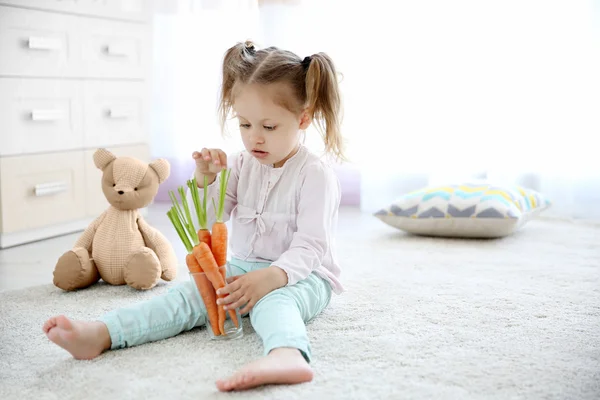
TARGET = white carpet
x,y
517,318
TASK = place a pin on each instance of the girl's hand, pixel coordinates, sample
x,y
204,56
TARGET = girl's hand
x,y
209,162
249,288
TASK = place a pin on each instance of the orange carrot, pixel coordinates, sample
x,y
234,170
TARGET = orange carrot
x,y
219,251
181,219
207,292
204,236
219,235
207,261
208,264
205,258
219,243
192,264
219,229
222,317
223,272
232,313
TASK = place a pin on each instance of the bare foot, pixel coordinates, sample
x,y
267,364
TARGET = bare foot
x,y
84,340
281,366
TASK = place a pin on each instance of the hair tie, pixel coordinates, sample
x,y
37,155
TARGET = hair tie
x,y
306,62
250,48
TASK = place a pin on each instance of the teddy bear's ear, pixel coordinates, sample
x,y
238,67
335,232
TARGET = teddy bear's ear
x,y
102,158
162,169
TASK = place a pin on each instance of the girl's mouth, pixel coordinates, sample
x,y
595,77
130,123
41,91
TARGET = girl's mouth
x,y
259,153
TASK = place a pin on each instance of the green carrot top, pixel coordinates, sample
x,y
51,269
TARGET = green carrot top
x,y
222,194
181,218
199,206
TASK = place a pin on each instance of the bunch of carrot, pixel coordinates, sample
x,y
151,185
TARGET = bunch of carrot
x,y
207,251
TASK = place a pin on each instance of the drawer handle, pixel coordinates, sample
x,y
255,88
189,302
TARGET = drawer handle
x,y
43,43
116,50
47,189
46,115
118,113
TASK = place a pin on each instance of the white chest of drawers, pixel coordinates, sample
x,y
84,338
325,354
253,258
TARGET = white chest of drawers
x,y
74,76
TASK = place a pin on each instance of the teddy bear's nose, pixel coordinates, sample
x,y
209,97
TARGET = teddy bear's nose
x,y
122,188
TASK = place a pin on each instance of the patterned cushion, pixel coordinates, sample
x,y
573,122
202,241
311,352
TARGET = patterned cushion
x,y
464,210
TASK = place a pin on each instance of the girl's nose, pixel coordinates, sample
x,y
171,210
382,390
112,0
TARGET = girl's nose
x,y
256,136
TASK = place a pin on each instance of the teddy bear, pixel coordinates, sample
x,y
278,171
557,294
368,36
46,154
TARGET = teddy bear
x,y
120,246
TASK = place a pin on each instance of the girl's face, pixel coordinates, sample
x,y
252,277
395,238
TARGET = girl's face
x,y
270,132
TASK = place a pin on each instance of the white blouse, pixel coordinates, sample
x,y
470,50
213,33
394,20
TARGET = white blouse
x,y
285,216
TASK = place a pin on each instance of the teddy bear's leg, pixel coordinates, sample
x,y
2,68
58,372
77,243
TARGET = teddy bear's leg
x,y
142,270
162,247
75,270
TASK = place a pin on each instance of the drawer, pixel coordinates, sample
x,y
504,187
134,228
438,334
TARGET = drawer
x,y
36,43
41,190
112,49
45,44
133,10
40,115
114,113
95,202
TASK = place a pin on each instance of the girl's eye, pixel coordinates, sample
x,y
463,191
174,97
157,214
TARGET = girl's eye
x,y
266,127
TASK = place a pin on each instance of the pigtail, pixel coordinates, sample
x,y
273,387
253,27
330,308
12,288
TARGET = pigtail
x,y
236,62
323,101
313,80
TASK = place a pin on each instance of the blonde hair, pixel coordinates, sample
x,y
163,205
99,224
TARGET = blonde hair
x,y
312,79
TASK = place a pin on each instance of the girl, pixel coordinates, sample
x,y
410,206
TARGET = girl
x,y
283,205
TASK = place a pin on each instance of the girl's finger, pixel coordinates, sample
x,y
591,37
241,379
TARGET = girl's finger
x,y
229,288
223,158
246,309
235,296
205,154
198,157
237,304
214,155
231,279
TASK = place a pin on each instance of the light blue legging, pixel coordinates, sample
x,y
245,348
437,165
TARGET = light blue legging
x,y
278,318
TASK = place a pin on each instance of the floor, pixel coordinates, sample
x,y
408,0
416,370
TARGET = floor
x,y
426,318
32,264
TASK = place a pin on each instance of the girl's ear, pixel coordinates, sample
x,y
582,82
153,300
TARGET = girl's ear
x,y
305,120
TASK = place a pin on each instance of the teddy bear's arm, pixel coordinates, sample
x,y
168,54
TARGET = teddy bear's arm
x,y
87,237
156,241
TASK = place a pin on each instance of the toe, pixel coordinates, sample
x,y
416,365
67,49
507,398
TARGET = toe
x,y
64,323
66,336
49,324
237,383
54,337
247,382
233,383
224,385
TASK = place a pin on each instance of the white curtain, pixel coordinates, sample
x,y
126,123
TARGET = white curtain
x,y
434,91
189,40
